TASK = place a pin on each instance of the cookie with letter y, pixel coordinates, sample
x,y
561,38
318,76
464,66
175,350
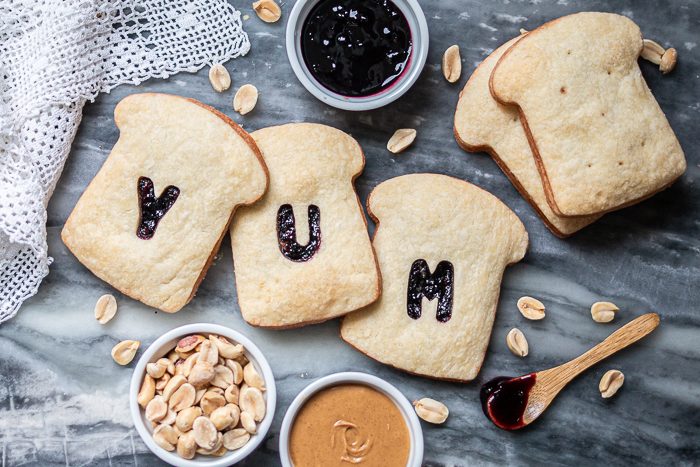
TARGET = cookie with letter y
x,y
152,219
442,246
302,254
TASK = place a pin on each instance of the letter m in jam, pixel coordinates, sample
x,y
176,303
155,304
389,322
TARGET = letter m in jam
x,y
438,285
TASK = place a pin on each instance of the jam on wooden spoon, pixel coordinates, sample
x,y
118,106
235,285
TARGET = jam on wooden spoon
x,y
512,403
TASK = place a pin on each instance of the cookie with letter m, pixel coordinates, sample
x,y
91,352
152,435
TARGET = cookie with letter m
x,y
442,246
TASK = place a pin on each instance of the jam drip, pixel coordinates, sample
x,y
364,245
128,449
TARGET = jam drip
x,y
356,47
153,209
287,233
440,285
504,399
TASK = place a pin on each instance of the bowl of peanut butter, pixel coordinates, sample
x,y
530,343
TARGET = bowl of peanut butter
x,y
351,418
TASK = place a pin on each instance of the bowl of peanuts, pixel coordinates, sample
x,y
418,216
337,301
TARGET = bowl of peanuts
x,y
202,395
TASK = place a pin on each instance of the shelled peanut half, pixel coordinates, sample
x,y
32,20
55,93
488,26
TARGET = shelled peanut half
x,y
204,397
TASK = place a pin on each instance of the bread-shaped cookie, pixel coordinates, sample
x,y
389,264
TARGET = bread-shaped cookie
x,y
153,217
600,139
442,246
482,124
302,254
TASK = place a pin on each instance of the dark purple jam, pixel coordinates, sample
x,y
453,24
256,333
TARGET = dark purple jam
x,y
153,209
438,285
356,47
504,400
287,233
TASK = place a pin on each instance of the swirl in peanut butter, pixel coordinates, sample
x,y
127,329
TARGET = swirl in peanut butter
x,y
356,446
350,424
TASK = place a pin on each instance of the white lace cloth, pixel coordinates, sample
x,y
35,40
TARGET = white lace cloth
x,y
56,54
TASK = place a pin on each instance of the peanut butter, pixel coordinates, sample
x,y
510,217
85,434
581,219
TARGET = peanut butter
x,y
349,424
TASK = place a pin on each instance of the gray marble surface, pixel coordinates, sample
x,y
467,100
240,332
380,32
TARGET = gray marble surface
x,y
63,400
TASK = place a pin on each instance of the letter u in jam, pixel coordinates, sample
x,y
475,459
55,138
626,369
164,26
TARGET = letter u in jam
x,y
287,233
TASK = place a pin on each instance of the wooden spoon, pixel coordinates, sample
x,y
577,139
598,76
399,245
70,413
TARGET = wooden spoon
x,y
512,403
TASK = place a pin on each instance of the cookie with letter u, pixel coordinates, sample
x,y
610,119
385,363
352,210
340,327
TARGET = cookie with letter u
x,y
442,246
153,217
302,254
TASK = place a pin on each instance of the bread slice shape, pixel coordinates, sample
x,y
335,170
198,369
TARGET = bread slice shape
x,y
302,254
442,245
482,124
600,139
153,217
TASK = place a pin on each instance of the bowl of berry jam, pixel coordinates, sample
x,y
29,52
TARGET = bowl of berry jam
x,y
357,54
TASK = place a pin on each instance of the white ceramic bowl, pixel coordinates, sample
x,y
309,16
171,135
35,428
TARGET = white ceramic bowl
x,y
419,35
165,344
415,457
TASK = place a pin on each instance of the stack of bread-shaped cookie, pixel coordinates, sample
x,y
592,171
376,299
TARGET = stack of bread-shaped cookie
x,y
566,113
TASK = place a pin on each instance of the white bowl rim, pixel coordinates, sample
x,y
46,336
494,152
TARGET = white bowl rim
x,y
257,357
416,65
415,457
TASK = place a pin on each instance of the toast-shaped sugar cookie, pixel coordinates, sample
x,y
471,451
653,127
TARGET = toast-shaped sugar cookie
x,y
600,139
153,217
302,254
442,246
482,124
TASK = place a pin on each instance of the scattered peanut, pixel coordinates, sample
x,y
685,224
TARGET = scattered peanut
x,y
245,99
531,308
123,353
431,411
219,78
610,383
656,54
105,308
603,312
452,64
267,10
401,139
517,343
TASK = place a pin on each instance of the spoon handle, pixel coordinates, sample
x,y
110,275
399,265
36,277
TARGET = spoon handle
x,y
618,340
